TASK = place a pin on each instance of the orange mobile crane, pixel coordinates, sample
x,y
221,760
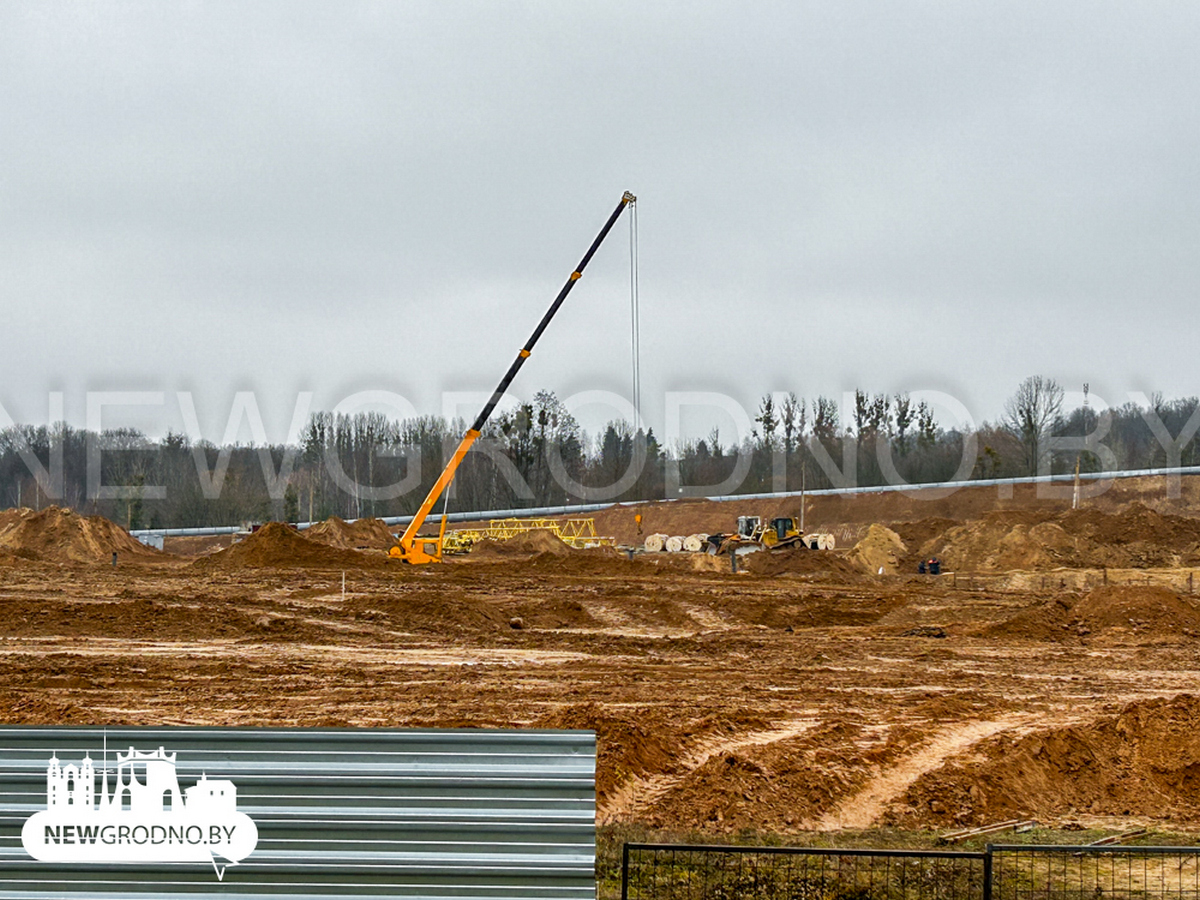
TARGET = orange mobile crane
x,y
415,549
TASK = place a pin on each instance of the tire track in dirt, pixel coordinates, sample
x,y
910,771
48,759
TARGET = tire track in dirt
x,y
638,795
705,618
863,808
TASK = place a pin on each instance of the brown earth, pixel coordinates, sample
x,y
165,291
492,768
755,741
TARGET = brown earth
x,y
279,545
880,550
197,545
361,534
847,516
1134,611
1145,755
1025,539
67,537
804,692
526,544
795,561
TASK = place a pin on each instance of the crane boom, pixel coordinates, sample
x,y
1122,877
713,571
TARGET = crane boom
x,y
417,550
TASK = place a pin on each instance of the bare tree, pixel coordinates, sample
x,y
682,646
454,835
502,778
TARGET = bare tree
x,y
825,419
904,421
769,421
1030,414
792,418
927,429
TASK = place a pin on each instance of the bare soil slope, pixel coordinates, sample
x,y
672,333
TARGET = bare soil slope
x,y
527,544
1026,539
361,534
278,545
1141,761
62,535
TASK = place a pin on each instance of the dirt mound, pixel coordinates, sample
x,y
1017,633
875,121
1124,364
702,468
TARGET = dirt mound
x,y
880,548
1135,523
1141,762
278,545
361,534
627,745
1136,607
1137,536
775,786
999,544
162,616
1140,610
10,517
10,559
795,561
916,534
438,613
538,542
525,544
1045,622
62,535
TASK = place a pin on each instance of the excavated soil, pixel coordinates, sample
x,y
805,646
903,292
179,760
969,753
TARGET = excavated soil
x,y
1147,754
64,536
525,544
804,692
1023,539
361,534
880,550
278,545
795,561
1127,612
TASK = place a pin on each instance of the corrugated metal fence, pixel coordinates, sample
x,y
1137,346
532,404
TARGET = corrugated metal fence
x,y
339,813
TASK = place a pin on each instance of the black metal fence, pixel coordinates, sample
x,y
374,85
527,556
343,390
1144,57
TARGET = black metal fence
x,y
1075,873
683,872
1001,872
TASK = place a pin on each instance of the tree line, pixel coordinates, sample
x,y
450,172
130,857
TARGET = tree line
x,y
537,455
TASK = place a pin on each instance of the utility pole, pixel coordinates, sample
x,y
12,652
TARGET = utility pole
x,y
1079,456
803,472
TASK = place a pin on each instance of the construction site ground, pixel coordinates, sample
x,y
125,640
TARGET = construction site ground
x,y
1052,673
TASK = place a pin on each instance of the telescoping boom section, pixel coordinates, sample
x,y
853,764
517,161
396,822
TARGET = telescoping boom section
x,y
426,549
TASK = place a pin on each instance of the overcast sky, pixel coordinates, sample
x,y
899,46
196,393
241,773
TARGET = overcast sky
x,y
342,197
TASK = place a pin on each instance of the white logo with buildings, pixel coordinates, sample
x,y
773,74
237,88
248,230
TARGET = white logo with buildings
x,y
146,818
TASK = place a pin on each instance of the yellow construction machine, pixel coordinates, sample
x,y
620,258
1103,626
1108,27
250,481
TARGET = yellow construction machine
x,y
756,533
416,549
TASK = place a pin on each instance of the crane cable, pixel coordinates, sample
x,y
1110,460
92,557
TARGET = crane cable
x,y
635,318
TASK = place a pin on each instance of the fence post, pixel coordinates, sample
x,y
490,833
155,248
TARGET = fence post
x,y
625,871
987,873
